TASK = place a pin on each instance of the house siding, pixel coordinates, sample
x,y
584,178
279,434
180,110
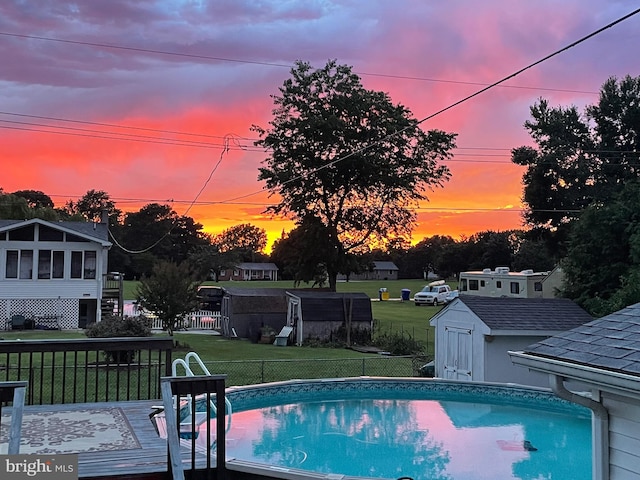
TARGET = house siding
x,y
498,366
624,436
46,297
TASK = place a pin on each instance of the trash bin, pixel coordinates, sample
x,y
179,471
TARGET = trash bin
x,y
383,294
406,294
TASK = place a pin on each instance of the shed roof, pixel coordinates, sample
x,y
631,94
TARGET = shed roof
x,y
610,343
326,294
330,306
256,292
534,314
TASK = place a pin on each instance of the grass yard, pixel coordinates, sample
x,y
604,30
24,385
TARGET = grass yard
x,y
390,316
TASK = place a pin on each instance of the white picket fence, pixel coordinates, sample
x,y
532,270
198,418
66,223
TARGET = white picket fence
x,y
200,320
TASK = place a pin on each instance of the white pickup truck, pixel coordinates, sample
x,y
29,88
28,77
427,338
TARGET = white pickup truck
x,y
433,294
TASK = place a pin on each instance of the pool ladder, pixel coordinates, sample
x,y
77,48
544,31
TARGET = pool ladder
x,y
201,416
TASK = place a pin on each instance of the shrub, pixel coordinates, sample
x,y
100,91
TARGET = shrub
x,y
399,344
115,326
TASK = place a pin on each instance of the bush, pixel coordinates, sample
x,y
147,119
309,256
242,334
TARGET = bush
x,y
115,326
399,344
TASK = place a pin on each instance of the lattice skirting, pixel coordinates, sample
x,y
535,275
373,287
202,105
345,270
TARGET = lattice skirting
x,y
66,309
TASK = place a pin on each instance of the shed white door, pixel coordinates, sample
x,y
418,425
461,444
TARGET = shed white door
x,y
457,356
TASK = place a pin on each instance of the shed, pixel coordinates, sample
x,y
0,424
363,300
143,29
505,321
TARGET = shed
x,y
474,335
245,310
604,354
316,314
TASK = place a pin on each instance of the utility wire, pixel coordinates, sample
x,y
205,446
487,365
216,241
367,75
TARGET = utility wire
x,y
455,104
175,222
115,125
268,64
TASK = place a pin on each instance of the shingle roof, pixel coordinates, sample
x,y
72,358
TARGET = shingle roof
x,y
385,266
544,314
330,306
611,342
90,229
257,266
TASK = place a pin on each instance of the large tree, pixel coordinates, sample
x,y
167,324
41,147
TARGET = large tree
x,y
92,205
579,159
155,232
348,156
602,266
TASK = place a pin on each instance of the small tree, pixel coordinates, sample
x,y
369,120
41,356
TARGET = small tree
x,y
171,292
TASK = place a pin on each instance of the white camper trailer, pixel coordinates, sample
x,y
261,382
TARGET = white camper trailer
x,y
503,283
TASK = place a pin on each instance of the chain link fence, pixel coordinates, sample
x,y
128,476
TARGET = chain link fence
x,y
247,372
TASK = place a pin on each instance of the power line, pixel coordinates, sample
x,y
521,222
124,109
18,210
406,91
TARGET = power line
x,y
115,125
130,138
191,204
270,64
455,104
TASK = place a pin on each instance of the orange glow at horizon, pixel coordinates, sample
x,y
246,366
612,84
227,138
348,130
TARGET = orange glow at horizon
x,y
477,197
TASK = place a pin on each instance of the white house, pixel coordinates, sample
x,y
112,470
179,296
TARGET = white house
x,y
605,355
474,335
52,272
378,271
250,271
502,282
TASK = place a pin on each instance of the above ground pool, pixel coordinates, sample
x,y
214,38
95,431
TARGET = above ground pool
x,y
424,429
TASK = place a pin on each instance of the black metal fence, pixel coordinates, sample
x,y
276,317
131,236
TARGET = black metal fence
x,y
87,370
247,372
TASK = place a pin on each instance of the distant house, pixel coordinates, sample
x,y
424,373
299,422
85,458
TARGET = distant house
x,y
474,335
604,354
53,273
250,271
502,282
378,271
316,314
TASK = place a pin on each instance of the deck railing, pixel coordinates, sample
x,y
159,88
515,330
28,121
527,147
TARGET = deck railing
x,y
14,393
187,389
87,370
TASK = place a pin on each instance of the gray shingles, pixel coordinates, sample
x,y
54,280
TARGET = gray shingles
x,y
534,314
613,341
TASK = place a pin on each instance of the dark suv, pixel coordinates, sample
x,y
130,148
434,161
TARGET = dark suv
x,y
210,298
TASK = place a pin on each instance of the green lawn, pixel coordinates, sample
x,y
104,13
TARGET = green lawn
x,y
370,287
390,316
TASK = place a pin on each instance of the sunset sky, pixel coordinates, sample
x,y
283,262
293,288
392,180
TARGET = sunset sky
x,y
137,97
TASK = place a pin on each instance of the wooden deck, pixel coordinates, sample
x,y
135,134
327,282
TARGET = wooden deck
x,y
149,459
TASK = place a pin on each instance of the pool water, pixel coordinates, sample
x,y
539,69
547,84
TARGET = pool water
x,y
421,439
